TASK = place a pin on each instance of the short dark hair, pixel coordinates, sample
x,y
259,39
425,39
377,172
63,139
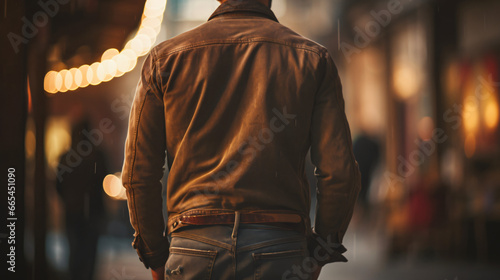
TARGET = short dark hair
x,y
270,2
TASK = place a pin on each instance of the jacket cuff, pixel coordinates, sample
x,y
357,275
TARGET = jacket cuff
x,y
152,259
325,250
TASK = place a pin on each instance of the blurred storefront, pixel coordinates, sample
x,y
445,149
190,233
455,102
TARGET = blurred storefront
x,y
422,77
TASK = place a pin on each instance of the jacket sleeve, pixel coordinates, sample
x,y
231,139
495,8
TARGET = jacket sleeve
x,y
143,168
336,170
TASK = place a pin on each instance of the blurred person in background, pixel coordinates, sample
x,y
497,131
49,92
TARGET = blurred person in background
x,y
80,175
234,105
367,153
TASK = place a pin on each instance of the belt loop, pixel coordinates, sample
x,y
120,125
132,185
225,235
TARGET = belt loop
x,y
236,224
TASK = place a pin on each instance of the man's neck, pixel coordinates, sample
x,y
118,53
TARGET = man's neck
x,y
265,2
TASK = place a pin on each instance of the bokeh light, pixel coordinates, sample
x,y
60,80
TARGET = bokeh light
x,y
92,75
491,114
64,82
114,63
49,82
113,187
109,54
72,77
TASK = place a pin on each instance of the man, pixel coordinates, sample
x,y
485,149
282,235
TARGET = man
x,y
235,105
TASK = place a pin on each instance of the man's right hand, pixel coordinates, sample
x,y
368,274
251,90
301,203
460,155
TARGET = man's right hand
x,y
158,273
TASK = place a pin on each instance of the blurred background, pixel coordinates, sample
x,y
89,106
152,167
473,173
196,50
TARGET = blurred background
x,y
421,83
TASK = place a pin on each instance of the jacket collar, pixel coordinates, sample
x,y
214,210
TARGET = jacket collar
x,y
243,7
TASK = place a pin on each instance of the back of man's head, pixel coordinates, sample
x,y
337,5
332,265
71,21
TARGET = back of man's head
x,y
265,2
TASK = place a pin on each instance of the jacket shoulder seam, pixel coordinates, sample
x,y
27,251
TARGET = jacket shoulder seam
x,y
235,41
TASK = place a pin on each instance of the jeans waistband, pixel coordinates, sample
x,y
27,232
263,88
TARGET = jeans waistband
x,y
281,219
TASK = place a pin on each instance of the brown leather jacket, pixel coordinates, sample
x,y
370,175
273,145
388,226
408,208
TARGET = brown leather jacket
x,y
235,105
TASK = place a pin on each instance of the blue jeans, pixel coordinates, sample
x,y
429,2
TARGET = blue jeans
x,y
236,252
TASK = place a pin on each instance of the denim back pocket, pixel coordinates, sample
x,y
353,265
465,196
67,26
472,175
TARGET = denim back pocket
x,y
274,265
184,263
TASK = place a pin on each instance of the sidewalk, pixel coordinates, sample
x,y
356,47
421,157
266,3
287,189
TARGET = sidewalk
x,y
367,261
118,261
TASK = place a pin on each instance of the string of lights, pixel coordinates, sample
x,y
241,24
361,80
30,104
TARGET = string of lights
x,y
114,63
